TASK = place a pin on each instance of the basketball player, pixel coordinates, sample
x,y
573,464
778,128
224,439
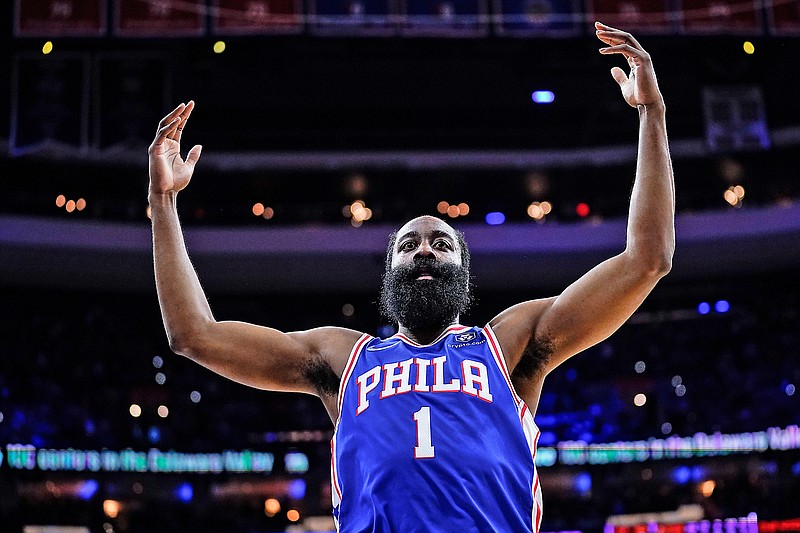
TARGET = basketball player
x,y
434,428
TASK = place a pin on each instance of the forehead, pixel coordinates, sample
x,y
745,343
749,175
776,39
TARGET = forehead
x,y
426,226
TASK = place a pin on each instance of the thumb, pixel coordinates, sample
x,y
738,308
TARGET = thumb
x,y
194,155
619,75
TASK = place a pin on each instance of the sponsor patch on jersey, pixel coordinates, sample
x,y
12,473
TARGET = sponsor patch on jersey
x,y
465,337
469,338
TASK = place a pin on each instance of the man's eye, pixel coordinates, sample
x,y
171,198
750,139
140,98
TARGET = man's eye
x,y
442,244
408,245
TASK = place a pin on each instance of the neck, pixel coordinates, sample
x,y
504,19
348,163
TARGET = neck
x,y
424,335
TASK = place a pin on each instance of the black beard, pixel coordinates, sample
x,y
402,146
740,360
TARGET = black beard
x,y
427,304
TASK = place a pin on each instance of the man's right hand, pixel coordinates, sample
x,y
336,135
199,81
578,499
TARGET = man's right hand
x,y
169,173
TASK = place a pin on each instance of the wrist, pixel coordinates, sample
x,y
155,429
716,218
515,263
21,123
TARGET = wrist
x,y
653,107
161,199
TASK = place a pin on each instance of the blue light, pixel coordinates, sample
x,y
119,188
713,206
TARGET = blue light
x,y
681,475
185,492
543,97
571,374
547,438
296,462
583,482
722,306
495,218
154,434
698,474
87,489
704,308
296,489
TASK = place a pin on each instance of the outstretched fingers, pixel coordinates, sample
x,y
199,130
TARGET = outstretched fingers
x,y
614,36
168,125
184,116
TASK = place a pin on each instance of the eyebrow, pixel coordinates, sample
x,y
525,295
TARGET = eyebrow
x,y
437,233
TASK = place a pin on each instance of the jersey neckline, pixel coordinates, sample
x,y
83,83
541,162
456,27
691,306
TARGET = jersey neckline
x,y
445,333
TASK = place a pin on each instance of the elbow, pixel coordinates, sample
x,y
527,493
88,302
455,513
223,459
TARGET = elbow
x,y
664,265
187,343
190,338
655,264
180,344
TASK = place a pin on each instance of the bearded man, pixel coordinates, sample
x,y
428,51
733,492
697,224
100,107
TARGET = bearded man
x,y
434,427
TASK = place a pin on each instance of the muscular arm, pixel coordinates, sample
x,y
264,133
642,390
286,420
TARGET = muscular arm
x,y
308,361
539,335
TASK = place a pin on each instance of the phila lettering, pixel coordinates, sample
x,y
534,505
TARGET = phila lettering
x,y
390,379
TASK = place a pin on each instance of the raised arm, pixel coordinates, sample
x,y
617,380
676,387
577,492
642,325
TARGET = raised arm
x,y
539,335
308,361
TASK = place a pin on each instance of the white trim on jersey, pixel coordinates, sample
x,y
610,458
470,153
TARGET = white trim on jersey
x,y
529,427
352,359
448,331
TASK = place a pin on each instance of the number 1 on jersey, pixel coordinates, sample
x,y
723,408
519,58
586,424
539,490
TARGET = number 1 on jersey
x,y
424,448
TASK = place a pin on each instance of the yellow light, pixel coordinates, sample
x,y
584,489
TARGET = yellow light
x,y
148,212
639,400
463,209
219,47
258,209
452,211
80,205
739,190
358,205
111,508
272,507
61,200
163,412
356,223
707,487
70,207
442,206
268,213
730,196
359,212
546,207
292,515
535,211
135,410
47,48
749,48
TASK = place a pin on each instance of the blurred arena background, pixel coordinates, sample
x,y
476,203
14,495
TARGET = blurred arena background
x,y
325,125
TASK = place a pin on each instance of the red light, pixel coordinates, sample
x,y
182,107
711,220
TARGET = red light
x,y
582,209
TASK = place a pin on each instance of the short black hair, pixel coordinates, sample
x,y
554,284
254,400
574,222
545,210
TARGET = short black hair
x,y
462,245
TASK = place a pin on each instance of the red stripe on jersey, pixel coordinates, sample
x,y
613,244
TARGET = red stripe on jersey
x,y
333,468
497,353
536,504
351,363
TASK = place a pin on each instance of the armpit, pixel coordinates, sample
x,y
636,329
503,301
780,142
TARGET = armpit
x,y
534,359
321,376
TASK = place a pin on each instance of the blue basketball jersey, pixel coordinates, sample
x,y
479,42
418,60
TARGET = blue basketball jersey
x,y
433,438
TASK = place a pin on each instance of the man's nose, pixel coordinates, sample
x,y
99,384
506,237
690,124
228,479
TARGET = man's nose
x,y
424,250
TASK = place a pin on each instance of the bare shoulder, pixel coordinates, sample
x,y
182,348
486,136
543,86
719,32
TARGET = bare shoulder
x,y
524,351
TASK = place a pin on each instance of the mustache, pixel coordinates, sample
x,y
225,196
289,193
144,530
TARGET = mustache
x,y
427,265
